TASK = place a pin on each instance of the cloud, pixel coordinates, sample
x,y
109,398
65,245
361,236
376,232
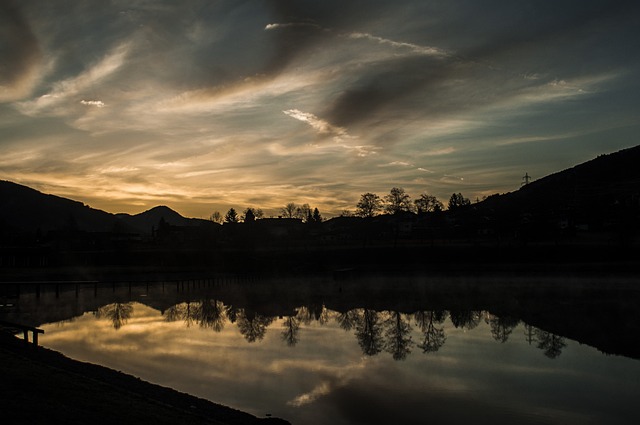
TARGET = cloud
x,y
187,100
96,103
20,54
276,26
321,126
63,91
398,163
413,48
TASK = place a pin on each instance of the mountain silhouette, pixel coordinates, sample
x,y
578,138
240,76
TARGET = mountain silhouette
x,y
145,221
23,209
26,209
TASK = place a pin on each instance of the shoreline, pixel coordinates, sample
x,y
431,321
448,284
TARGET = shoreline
x,y
44,386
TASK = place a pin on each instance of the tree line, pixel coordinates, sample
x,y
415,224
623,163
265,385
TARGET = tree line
x,y
370,204
376,331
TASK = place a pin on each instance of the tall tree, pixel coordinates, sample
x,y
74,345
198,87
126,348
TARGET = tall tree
x,y
428,204
369,205
249,216
457,201
216,217
397,201
231,216
316,217
289,210
303,212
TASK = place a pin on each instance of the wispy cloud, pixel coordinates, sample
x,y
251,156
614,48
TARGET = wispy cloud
x,y
410,93
275,26
65,90
410,47
321,126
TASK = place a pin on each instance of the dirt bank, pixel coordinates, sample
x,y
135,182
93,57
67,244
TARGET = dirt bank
x,y
43,386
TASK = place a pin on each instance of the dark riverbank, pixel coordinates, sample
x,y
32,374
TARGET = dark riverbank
x,y
43,386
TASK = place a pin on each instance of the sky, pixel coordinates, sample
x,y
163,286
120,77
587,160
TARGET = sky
x,y
207,105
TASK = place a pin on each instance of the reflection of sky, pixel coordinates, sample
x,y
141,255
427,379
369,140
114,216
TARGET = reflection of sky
x,y
208,105
326,379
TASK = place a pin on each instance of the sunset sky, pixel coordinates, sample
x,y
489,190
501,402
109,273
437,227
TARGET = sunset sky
x,y
206,105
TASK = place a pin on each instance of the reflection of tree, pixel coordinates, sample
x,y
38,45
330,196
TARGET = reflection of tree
x,y
465,319
551,344
252,325
398,341
529,333
369,332
186,311
290,333
317,312
211,314
118,313
434,338
348,320
304,315
173,313
501,327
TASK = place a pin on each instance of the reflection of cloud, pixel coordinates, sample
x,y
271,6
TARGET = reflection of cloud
x,y
320,390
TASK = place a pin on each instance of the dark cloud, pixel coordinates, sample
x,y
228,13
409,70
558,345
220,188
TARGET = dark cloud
x,y
307,24
385,85
496,46
19,48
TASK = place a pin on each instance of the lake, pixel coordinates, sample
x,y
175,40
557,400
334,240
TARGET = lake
x,y
356,350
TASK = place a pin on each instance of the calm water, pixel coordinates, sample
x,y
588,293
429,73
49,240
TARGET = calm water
x,y
360,352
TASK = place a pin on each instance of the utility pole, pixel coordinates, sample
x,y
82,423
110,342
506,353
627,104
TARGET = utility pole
x,y
526,179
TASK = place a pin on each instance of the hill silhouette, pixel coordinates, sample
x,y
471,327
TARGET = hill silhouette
x,y
572,215
26,209
145,221
23,209
591,186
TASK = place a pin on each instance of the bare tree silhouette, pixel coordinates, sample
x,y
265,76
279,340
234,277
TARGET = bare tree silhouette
x,y
252,325
369,332
501,327
434,337
551,344
398,339
290,333
117,313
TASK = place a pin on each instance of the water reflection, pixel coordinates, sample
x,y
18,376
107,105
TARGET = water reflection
x,y
252,325
320,356
434,336
388,331
116,313
549,343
